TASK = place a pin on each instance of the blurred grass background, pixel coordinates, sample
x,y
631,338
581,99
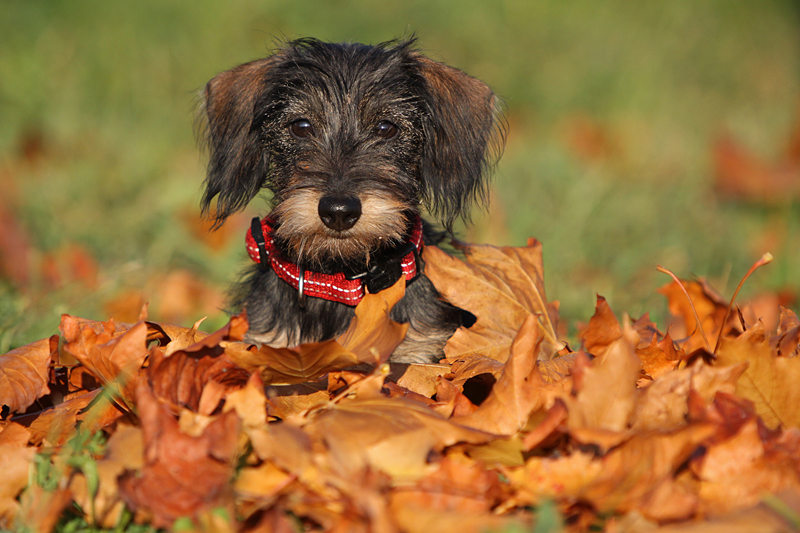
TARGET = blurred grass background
x,y
614,110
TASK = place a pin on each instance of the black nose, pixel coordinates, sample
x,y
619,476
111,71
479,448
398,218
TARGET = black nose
x,y
339,212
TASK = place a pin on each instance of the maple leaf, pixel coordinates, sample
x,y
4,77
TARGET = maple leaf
x,y
659,357
56,425
24,373
604,402
787,337
459,484
519,390
664,404
124,451
769,381
393,435
710,309
113,359
371,338
182,474
15,460
501,287
603,329
198,376
736,473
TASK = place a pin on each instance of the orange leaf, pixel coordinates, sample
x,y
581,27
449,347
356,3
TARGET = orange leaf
x,y
769,381
114,360
395,436
519,390
182,475
24,374
603,329
501,287
372,336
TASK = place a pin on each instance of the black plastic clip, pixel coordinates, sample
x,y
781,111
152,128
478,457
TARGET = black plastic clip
x,y
257,231
385,271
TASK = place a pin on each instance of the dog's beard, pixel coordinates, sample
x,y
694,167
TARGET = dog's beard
x,y
310,242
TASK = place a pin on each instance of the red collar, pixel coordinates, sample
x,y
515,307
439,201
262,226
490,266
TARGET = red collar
x,y
336,287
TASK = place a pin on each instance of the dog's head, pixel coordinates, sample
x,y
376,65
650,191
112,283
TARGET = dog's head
x,y
350,139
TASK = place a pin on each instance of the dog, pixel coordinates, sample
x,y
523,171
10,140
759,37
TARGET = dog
x,y
353,141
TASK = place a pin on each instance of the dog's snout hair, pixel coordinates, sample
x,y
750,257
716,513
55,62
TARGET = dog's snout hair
x,y
353,141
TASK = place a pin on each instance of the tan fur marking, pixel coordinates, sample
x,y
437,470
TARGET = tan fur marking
x,y
381,221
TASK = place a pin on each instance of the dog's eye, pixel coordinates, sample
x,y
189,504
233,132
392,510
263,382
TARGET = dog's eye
x,y
301,128
386,130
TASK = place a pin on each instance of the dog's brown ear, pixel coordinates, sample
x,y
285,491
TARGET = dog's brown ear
x,y
464,135
238,162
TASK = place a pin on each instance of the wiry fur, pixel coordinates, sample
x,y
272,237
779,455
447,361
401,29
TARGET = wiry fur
x,y
447,134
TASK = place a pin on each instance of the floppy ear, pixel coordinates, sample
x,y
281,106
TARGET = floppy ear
x,y
238,162
463,136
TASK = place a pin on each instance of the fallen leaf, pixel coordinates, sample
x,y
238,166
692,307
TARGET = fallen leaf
x,y
664,405
182,475
459,484
15,461
519,390
769,381
501,287
603,329
372,336
113,359
24,374
124,451
743,175
659,357
736,473
393,435
710,308
606,393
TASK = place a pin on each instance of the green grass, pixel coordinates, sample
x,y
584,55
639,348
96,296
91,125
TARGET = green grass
x,y
109,88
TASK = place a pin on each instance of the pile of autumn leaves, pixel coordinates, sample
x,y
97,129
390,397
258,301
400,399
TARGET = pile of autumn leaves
x,y
639,429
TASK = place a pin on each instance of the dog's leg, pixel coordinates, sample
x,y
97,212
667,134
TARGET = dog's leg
x,y
432,321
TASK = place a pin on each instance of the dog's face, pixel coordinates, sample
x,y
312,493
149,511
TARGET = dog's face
x,y
350,139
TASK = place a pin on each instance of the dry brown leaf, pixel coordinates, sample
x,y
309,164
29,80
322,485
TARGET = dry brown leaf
x,y
393,435
24,374
664,405
414,519
114,360
769,381
249,402
372,336
57,424
459,484
124,451
15,461
422,378
13,433
606,394
659,357
501,287
519,390
736,473
603,329
710,309
182,475
40,509
630,473
261,483
787,338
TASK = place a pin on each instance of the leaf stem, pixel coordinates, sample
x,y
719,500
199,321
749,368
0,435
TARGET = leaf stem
x,y
765,259
691,304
